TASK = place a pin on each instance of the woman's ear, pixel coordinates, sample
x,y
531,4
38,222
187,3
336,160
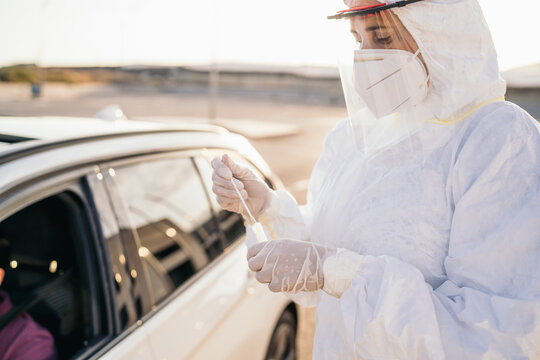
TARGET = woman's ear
x,y
2,273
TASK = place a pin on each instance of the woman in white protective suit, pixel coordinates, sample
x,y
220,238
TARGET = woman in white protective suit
x,y
421,234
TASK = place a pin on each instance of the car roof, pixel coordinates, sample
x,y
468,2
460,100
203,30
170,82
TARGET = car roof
x,y
28,135
56,127
45,145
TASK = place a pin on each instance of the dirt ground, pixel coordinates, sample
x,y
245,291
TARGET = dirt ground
x,y
292,156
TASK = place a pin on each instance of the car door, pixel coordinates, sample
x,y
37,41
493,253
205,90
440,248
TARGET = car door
x,y
193,283
57,257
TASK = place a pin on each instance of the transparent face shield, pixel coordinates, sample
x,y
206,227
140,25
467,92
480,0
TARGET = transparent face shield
x,y
385,79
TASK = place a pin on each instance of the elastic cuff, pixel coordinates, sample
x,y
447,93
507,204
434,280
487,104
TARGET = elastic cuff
x,y
339,270
272,210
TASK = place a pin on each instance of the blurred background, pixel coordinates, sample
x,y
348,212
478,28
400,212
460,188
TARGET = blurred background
x,y
262,69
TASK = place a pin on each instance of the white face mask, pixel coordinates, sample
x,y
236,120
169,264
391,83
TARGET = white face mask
x,y
389,80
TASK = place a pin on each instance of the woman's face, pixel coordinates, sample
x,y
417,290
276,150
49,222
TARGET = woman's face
x,y
380,31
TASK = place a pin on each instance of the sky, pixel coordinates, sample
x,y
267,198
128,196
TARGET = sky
x,y
181,32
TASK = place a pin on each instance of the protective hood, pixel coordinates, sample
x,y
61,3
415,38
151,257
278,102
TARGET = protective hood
x,y
458,50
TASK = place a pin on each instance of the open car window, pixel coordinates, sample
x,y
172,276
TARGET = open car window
x,y
48,242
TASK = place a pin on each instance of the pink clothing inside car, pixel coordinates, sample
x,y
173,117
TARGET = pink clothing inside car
x,y
23,338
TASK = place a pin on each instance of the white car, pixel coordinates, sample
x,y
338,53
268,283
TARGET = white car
x,y
119,248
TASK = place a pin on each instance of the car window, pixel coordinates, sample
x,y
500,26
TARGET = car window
x,y
47,245
170,212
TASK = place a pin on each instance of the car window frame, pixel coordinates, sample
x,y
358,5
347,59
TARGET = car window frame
x,y
34,190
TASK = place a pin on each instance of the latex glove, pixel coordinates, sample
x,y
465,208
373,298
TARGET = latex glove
x,y
289,265
256,193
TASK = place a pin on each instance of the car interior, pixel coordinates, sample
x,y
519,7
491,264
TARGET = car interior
x,y
45,265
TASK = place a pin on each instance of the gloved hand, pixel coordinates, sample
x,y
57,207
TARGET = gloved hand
x,y
289,265
255,192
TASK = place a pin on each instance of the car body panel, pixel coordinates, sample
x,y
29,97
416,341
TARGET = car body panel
x,y
203,322
133,347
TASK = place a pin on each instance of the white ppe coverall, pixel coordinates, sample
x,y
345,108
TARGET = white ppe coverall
x,y
441,232
449,249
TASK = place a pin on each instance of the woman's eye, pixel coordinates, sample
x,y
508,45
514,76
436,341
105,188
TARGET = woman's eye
x,y
386,40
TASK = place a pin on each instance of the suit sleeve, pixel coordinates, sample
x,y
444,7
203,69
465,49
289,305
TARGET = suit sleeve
x,y
490,305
